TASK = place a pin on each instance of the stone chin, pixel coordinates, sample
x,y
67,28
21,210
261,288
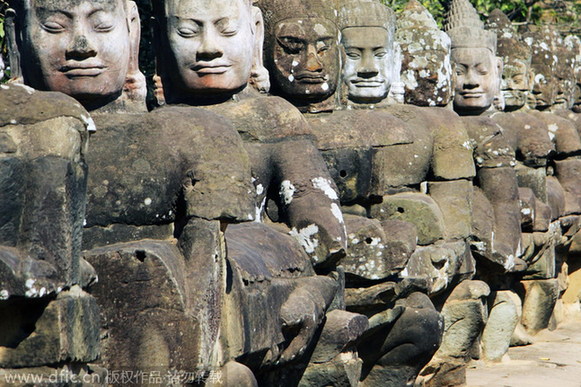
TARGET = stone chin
x,y
371,94
514,99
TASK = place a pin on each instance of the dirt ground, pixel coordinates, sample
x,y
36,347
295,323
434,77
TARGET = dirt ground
x,y
554,360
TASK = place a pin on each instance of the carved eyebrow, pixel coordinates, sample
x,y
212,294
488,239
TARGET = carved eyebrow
x,y
46,12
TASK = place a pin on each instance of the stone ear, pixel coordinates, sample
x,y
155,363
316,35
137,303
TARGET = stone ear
x,y
259,77
135,88
13,50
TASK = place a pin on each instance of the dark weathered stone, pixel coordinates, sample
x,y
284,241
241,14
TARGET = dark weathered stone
x,y
49,331
377,250
42,194
416,208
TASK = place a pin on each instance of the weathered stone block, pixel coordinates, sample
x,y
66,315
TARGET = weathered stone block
x,y
376,249
539,301
555,197
340,330
441,264
502,319
416,208
568,172
44,332
533,178
454,198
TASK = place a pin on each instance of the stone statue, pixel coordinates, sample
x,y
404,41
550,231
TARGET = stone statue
x,y
371,156
573,43
206,54
478,69
43,170
426,69
517,75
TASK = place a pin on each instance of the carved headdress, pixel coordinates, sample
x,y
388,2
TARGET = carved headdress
x,y
365,13
423,44
466,29
275,11
510,45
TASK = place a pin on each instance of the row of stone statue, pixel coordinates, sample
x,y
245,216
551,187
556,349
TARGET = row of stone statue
x,y
402,202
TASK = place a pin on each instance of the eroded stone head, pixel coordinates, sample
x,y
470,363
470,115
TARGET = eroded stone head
x,y
367,37
573,43
477,76
79,47
516,56
543,64
426,70
205,48
301,50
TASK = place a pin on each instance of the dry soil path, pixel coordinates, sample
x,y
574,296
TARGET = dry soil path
x,y
554,360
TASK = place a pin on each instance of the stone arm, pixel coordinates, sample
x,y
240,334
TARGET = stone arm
x,y
294,173
497,179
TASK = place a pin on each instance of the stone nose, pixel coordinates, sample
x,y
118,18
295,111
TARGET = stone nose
x,y
80,48
313,62
210,47
368,66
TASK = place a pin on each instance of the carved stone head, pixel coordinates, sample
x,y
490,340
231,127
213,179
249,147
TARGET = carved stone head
x,y
301,50
206,49
565,77
543,65
367,36
478,69
79,47
573,43
426,70
517,76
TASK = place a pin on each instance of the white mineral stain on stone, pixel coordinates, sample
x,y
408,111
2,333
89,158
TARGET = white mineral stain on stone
x,y
305,236
325,86
287,190
291,78
147,201
295,63
324,185
553,128
525,211
320,29
4,295
4,87
89,123
259,189
337,212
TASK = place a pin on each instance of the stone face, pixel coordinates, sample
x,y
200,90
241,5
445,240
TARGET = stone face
x,y
426,69
472,47
96,67
308,81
